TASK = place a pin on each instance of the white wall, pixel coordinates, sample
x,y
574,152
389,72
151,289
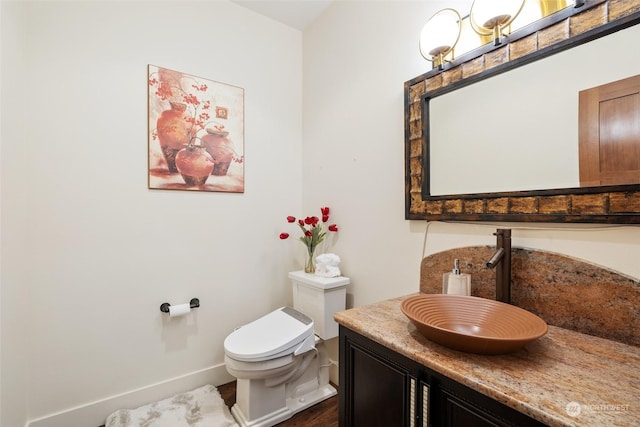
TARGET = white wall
x,y
92,249
356,58
13,250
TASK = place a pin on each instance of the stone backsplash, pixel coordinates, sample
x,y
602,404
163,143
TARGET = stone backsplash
x,y
564,291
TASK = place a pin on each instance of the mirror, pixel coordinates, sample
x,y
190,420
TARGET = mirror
x,y
433,94
521,128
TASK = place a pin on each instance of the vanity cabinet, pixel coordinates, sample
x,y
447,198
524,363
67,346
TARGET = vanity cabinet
x,y
379,387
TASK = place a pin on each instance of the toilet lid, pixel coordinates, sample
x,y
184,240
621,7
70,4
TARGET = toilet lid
x,y
279,330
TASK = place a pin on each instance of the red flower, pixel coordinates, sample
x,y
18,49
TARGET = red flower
x,y
313,232
190,98
201,88
164,90
311,220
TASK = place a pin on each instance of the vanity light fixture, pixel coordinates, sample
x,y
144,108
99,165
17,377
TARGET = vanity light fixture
x,y
491,17
439,37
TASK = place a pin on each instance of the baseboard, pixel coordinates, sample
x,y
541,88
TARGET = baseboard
x,y
94,414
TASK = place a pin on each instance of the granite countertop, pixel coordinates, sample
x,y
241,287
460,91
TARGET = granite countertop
x,y
563,369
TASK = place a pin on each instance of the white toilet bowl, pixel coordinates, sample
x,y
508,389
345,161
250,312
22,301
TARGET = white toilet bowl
x,y
277,360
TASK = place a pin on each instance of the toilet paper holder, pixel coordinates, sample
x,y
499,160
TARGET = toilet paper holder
x,y
194,303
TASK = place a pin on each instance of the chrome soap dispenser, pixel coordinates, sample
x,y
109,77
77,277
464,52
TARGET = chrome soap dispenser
x,y
456,283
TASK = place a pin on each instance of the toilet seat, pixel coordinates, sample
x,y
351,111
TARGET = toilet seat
x,y
265,369
277,334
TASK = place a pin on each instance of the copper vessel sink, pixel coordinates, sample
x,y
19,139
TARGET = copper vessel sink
x,y
473,324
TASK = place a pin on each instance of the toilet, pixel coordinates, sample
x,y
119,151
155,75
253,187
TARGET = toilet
x,y
280,360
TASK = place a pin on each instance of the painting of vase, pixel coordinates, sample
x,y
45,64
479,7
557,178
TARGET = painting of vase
x,y
196,133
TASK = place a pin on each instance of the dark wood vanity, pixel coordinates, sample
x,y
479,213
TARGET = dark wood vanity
x,y
379,387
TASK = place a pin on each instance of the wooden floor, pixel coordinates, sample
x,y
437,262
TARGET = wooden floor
x,y
324,414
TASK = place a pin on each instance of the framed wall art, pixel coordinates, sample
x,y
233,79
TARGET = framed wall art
x,y
196,133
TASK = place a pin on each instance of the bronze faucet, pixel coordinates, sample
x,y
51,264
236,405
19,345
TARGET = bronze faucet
x,y
502,256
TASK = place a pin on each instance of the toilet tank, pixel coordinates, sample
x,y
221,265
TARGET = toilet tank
x,y
319,298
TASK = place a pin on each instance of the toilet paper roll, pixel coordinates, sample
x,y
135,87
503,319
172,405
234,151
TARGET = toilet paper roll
x,y
179,310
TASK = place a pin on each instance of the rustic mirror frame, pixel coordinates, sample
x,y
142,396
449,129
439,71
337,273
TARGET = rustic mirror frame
x,y
563,30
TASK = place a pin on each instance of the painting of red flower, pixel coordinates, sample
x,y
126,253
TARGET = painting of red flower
x,y
196,133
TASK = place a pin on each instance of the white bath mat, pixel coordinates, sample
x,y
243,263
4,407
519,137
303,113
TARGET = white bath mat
x,y
202,407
